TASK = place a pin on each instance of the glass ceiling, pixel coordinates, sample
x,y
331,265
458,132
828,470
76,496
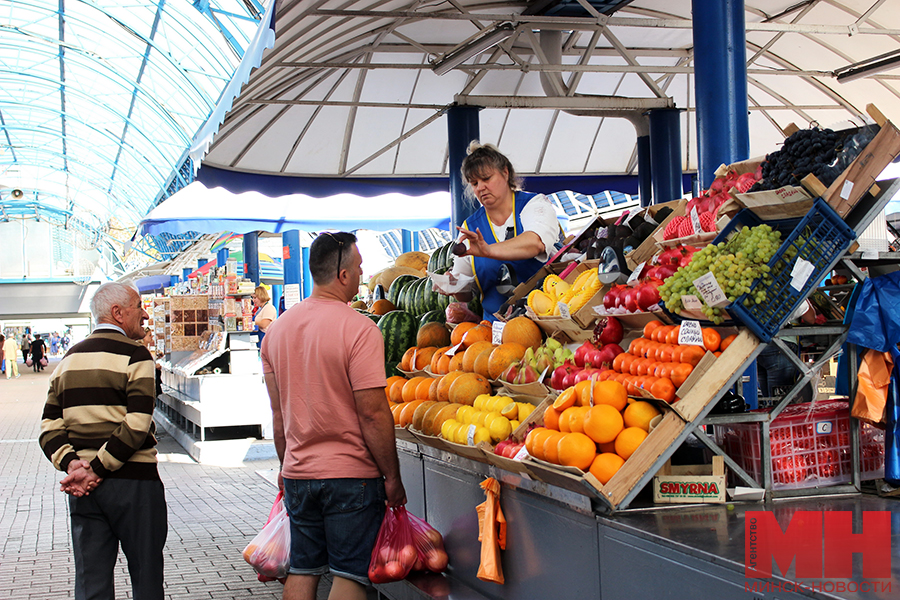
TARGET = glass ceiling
x,y
99,100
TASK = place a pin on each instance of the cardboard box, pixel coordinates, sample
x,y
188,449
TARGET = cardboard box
x,y
690,484
648,247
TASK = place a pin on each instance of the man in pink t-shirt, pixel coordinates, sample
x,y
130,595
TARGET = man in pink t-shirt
x,y
334,433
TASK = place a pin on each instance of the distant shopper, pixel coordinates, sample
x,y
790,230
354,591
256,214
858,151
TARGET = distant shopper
x,y
26,347
2,354
10,352
334,434
98,427
265,313
37,352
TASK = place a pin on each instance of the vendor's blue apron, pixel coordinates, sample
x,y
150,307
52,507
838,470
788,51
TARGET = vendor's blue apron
x,y
487,269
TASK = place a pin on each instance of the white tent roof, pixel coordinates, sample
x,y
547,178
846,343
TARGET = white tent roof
x,y
348,88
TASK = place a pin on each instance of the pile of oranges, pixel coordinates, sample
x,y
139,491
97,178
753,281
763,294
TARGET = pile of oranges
x,y
658,364
592,426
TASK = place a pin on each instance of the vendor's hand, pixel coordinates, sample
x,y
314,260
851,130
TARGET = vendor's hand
x,y
477,245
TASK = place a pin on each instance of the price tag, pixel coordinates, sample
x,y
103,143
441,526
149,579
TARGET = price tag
x,y
846,189
691,302
453,350
870,254
522,454
800,274
710,290
564,310
690,334
470,435
636,274
695,222
497,332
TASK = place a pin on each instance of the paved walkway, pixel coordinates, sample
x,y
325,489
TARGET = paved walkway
x,y
213,513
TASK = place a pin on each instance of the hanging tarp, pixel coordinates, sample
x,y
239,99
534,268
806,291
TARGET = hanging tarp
x,y
212,210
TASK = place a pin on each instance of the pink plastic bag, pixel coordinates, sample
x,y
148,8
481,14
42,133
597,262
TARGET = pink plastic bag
x,y
394,554
430,546
269,553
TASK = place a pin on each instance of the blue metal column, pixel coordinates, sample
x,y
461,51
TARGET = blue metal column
x,y
462,128
645,181
720,71
251,256
292,255
415,238
221,258
665,154
185,273
201,262
276,297
307,276
405,240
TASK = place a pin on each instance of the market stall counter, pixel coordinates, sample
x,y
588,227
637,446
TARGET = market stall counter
x,y
216,396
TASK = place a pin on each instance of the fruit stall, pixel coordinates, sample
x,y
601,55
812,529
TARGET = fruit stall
x,y
629,342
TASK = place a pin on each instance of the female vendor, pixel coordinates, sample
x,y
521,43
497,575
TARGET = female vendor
x,y
511,227
265,313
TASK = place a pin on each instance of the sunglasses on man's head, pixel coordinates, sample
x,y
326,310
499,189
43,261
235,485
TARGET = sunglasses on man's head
x,y
340,251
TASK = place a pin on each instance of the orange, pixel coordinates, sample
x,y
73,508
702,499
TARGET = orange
x,y
576,450
723,345
565,399
395,389
653,350
618,360
665,353
551,418
649,327
467,387
636,365
409,409
607,447
606,374
634,346
646,367
538,435
551,446
471,353
479,333
406,361
459,331
444,385
423,357
409,388
663,389
680,373
625,366
711,338
574,419
676,353
481,363
424,388
692,355
659,334
628,441
639,414
583,393
602,423
612,393
456,361
529,439
503,356
605,466
672,335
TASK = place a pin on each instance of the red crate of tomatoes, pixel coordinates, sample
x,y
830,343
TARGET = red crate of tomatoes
x,y
810,446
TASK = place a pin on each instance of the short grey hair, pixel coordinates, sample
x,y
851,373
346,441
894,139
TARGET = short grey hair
x,y
109,295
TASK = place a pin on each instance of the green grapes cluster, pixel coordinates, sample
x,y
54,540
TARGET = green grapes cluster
x,y
736,264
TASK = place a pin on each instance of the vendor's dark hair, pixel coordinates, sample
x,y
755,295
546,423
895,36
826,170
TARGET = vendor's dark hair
x,y
481,160
323,255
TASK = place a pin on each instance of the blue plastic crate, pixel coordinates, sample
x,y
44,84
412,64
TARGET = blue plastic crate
x,y
819,238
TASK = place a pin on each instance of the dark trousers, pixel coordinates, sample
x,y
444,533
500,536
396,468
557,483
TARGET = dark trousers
x,y
129,512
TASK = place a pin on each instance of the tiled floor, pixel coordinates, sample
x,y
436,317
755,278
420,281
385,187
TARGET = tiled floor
x,y
213,513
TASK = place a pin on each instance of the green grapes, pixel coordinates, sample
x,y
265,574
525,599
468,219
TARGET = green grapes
x,y
736,264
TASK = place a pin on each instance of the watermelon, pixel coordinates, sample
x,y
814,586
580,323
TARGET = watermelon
x,y
403,298
399,329
375,318
434,316
441,260
397,286
390,369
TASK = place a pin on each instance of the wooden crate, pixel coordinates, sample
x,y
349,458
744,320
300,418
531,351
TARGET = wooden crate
x,y
690,484
856,180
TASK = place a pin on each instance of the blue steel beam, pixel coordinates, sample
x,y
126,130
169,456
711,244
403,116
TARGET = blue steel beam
x,y
62,79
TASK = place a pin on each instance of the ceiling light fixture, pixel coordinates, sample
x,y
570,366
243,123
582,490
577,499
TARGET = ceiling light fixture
x,y
459,55
867,67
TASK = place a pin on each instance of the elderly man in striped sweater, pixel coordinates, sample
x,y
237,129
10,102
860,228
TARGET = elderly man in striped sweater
x,y
98,427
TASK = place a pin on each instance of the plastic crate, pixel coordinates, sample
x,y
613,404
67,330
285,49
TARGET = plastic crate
x,y
810,446
819,238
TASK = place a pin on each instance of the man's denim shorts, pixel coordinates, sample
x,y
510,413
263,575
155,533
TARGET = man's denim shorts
x,y
334,524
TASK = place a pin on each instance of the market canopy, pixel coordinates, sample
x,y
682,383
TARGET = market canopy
x,y
212,210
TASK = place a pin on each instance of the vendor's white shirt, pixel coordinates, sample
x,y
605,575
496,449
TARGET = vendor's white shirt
x,y
266,311
538,216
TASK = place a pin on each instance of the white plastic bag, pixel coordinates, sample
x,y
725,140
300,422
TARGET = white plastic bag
x,y
269,553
